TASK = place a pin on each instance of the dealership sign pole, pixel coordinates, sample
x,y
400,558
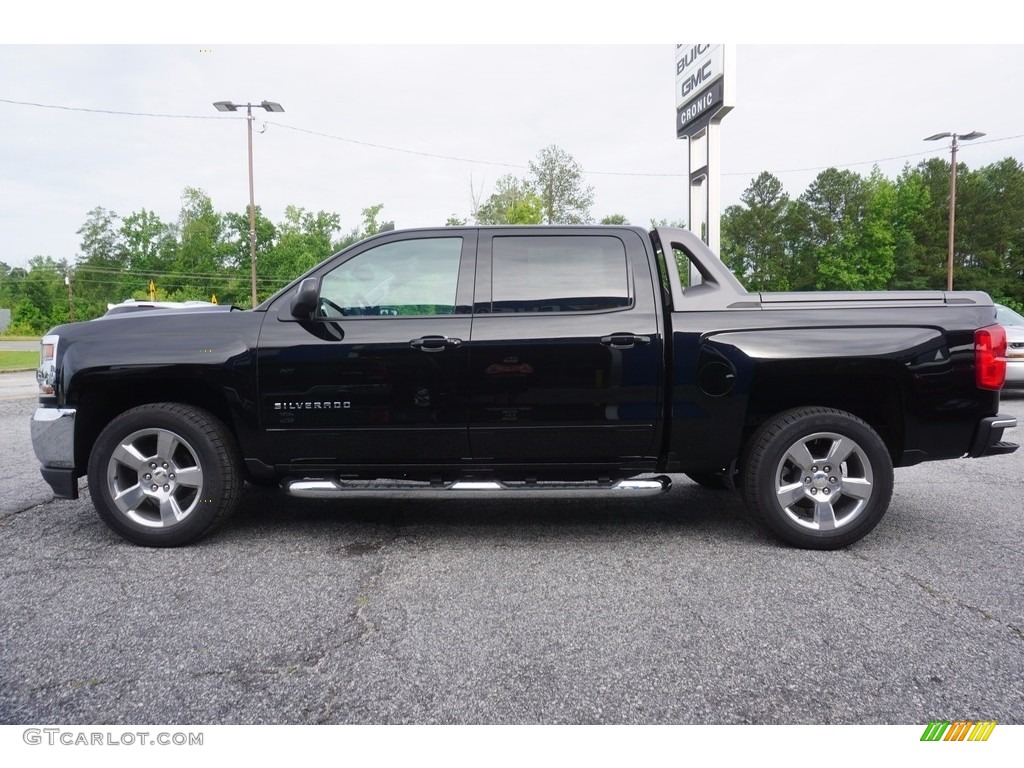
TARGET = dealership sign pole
x,y
705,93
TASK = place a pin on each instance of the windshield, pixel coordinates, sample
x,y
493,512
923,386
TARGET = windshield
x,y
1006,316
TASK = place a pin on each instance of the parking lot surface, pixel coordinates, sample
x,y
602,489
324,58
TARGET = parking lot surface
x,y
672,609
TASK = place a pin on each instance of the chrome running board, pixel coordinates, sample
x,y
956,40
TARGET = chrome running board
x,y
322,488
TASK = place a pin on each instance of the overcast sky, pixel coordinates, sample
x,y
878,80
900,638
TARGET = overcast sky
x,y
416,127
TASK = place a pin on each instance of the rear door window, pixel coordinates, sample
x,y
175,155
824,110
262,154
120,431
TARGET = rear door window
x,y
559,274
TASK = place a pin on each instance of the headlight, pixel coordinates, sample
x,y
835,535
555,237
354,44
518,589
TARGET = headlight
x,y
46,374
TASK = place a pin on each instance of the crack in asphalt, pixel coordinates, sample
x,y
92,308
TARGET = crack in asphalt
x,y
73,685
938,595
369,585
376,547
4,514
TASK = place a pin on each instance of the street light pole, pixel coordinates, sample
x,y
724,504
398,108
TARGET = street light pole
x,y
952,193
270,106
71,298
252,208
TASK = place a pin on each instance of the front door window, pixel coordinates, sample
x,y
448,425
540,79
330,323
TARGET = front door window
x,y
400,279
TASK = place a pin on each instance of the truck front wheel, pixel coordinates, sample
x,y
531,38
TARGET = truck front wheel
x,y
164,474
819,478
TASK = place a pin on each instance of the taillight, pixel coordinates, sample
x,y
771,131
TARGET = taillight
x,y
990,357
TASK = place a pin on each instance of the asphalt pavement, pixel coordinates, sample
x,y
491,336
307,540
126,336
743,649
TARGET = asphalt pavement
x,y
20,484
18,346
671,609
20,385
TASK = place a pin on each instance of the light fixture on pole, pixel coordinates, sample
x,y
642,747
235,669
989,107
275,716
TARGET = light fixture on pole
x,y
952,192
270,106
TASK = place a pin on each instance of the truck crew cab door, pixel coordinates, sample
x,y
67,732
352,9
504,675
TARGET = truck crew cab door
x,y
376,375
566,361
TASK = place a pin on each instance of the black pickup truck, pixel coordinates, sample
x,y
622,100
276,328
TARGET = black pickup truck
x,y
562,359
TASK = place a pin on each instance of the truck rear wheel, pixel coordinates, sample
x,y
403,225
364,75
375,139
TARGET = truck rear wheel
x,y
164,474
819,478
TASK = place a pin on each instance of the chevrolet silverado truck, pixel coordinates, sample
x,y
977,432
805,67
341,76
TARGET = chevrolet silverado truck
x,y
480,360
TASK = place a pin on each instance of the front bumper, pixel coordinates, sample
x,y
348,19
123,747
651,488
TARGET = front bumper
x,y
988,440
53,440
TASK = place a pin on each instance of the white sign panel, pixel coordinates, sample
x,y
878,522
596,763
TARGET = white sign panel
x,y
697,66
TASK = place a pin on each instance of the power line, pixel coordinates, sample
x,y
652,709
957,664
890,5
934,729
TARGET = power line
x,y
84,267
174,278
611,173
117,111
395,149
873,162
147,273
92,275
455,158
601,173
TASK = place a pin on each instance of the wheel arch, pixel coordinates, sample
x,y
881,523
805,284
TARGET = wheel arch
x,y
872,392
101,401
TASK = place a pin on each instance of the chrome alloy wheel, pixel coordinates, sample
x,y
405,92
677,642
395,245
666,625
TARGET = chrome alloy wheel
x,y
824,481
154,478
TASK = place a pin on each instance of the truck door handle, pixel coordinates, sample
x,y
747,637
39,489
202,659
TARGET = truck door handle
x,y
624,340
435,343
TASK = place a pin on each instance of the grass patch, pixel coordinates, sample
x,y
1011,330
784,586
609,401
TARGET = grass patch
x,y
18,361
16,337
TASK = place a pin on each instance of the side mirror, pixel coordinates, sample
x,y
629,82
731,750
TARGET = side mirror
x,y
305,299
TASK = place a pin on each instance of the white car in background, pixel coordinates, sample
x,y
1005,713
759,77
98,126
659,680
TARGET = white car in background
x,y
1013,322
137,305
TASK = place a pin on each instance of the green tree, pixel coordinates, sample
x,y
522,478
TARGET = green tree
x,y
145,239
8,285
916,266
875,257
304,239
100,271
101,239
151,247
754,236
514,201
933,236
841,239
558,181
203,252
234,285
42,299
371,225
615,218
990,229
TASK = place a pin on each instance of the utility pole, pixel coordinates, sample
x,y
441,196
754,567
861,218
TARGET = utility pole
x,y
952,193
270,106
71,298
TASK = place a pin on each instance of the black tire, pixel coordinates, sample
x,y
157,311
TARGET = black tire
x,y
795,486
165,474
